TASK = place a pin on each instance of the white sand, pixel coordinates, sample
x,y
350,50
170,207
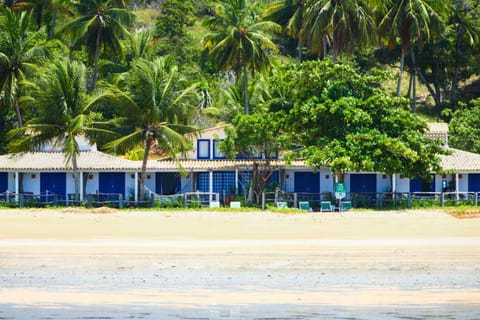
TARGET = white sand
x,y
186,260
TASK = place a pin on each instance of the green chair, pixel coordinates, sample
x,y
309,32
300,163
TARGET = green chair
x,y
326,206
304,205
282,205
345,205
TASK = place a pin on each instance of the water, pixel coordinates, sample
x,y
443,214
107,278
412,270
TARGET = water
x,y
320,281
257,312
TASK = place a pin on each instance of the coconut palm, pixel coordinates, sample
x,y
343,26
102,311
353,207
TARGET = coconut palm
x,y
158,107
238,41
288,14
63,114
102,23
345,24
410,20
45,11
20,50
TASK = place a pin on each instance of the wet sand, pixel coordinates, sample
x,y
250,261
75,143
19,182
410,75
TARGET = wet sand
x,y
132,265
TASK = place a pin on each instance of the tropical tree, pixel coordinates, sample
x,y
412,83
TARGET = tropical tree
x,y
343,120
64,113
20,51
410,20
343,24
464,128
238,41
288,14
101,25
157,106
258,137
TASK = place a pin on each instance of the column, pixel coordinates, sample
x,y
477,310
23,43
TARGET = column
x,y
210,184
80,178
136,187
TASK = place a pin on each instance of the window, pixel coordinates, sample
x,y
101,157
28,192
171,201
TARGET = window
x,y
217,153
203,149
203,183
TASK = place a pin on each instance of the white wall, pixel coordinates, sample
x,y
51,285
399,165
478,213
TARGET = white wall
x,y
289,180
31,182
463,182
11,182
402,184
327,180
384,183
91,184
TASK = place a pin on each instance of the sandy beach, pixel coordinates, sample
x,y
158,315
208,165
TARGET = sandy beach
x,y
242,265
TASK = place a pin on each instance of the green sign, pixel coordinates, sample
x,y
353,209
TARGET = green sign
x,y
340,191
340,187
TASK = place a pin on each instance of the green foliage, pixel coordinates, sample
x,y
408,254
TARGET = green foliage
x,y
238,41
175,17
344,24
20,51
258,137
343,120
100,26
157,106
464,128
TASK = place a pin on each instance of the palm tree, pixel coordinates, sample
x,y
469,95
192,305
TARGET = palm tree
x,y
288,14
238,41
409,20
102,23
345,24
64,114
20,50
45,11
158,107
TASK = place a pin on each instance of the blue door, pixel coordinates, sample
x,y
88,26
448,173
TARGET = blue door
x,y
224,184
307,182
112,182
363,187
307,185
167,183
3,182
422,185
474,182
54,182
363,182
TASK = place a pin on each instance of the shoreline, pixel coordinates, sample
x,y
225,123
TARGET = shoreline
x,y
173,264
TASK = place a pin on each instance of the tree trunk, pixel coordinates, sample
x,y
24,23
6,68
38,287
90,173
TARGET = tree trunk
x,y
334,50
141,186
245,85
402,65
414,82
54,22
76,178
324,40
409,92
299,49
453,92
253,181
95,66
18,113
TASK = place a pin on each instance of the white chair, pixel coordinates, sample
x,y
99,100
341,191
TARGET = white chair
x,y
235,204
214,204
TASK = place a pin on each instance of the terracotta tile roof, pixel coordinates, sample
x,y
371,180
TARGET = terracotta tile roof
x,y
54,161
458,161
203,165
437,127
461,161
